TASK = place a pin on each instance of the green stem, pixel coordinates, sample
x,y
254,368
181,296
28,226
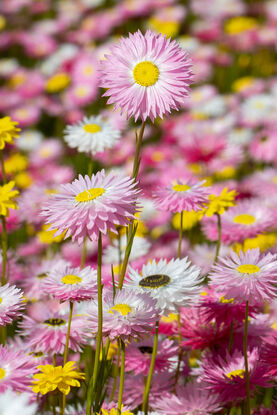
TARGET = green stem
x,y
130,238
219,237
247,401
4,243
180,352
4,177
68,333
180,235
90,167
137,153
84,253
115,373
63,404
151,370
231,340
122,372
93,381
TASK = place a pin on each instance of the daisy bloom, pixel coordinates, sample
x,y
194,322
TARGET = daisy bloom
x,y
179,196
72,284
11,304
227,376
173,284
249,276
15,370
88,206
191,399
218,204
61,377
114,411
6,198
91,135
146,75
8,131
129,315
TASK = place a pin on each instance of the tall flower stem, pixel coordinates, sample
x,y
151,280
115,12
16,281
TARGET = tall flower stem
x,y
139,138
93,380
180,235
68,333
122,373
4,177
247,401
115,373
84,253
4,236
151,370
219,237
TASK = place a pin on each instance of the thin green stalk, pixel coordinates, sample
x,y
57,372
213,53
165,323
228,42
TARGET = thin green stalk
x,y
231,340
68,333
151,370
90,167
137,153
115,373
180,235
122,373
180,352
63,404
4,177
219,237
4,243
93,380
130,237
247,401
84,253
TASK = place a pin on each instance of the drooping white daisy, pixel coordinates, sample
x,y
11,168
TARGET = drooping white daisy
x,y
173,284
91,135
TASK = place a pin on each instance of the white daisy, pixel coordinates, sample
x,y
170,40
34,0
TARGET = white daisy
x,y
173,284
140,248
12,403
91,135
29,140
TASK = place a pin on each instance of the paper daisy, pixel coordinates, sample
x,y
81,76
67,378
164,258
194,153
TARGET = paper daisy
x,y
146,75
179,196
8,131
91,135
15,370
6,198
88,206
11,304
173,284
249,276
72,284
129,315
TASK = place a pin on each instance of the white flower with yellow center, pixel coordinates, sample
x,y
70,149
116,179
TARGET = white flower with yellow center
x,y
173,284
91,135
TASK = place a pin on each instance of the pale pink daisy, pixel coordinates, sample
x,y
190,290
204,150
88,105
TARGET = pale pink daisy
x,y
138,356
16,369
249,276
72,284
11,304
128,315
146,75
191,399
182,195
226,376
88,206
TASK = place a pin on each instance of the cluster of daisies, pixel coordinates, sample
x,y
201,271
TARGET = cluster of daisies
x,y
138,247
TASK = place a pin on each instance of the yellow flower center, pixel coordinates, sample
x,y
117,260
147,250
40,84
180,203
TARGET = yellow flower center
x,y
124,309
180,187
89,194
146,73
1,300
71,279
237,372
2,373
224,300
92,128
248,269
244,219
57,82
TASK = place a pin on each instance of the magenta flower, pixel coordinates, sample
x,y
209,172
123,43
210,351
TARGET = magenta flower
x,y
146,75
88,206
249,276
11,304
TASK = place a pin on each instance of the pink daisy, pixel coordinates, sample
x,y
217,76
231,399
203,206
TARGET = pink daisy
x,y
226,376
249,276
191,399
48,329
16,369
11,304
182,195
88,206
245,220
129,315
73,284
138,356
146,76
269,354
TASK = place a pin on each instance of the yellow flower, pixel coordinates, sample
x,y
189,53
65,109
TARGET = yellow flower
x,y
218,204
47,237
262,241
53,377
6,196
15,163
240,24
190,219
8,131
57,83
170,28
113,411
